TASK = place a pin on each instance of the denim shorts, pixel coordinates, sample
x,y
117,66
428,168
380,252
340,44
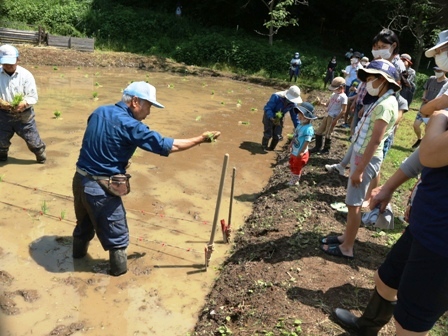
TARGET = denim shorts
x,y
421,278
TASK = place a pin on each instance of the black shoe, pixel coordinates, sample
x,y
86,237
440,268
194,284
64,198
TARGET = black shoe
x,y
417,143
3,157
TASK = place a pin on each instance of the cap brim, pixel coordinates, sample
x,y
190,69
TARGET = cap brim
x,y
432,52
8,60
156,104
363,73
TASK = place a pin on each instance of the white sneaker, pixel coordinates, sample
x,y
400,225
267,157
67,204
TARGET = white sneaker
x,y
337,167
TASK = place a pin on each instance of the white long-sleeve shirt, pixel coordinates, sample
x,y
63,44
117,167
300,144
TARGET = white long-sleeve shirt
x,y
21,82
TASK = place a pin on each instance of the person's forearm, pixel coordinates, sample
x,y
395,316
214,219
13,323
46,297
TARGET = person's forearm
x,y
183,144
436,104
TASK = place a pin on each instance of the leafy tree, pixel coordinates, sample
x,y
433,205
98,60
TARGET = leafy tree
x,y
419,18
279,16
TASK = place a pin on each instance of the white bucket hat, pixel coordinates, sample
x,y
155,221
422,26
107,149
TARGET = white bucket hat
x,y
443,39
293,94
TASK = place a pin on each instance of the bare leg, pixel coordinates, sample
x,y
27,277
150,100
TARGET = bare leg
x,y
417,130
373,184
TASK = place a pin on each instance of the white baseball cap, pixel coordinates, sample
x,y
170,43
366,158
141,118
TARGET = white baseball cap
x,y
8,54
143,91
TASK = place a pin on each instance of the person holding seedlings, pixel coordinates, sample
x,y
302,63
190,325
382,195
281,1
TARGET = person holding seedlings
x,y
367,150
336,107
299,144
112,135
19,94
278,105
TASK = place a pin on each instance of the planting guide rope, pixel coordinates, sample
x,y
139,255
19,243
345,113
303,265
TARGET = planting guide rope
x,y
142,212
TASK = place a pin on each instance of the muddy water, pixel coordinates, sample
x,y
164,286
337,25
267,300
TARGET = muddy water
x,y
170,209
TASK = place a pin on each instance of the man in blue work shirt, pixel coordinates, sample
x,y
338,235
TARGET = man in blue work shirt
x,y
112,135
275,109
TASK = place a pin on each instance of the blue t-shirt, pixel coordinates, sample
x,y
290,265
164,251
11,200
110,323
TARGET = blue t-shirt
x,y
429,214
278,103
111,138
302,133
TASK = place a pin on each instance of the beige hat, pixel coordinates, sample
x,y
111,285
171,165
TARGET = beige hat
x,y
336,83
293,94
365,59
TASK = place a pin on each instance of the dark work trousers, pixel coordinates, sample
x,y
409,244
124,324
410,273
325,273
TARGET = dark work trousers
x,y
271,130
99,212
24,125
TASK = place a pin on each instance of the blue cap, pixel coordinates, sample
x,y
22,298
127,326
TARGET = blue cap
x,y
143,91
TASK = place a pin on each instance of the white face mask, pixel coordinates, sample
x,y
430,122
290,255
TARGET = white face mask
x,y
438,74
371,90
354,60
442,61
381,53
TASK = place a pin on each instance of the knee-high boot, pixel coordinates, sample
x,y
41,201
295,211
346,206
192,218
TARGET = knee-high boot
x,y
80,248
118,261
274,143
327,146
264,143
376,315
318,144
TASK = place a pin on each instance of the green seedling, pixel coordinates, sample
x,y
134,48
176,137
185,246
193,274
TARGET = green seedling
x,y
279,115
55,68
1,177
97,84
198,118
57,114
62,76
171,86
213,92
16,100
253,109
97,73
239,102
211,137
95,95
243,122
222,103
62,215
86,76
44,207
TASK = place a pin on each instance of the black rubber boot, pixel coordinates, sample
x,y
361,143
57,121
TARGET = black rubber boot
x,y
327,146
118,261
264,143
80,248
274,143
318,144
376,315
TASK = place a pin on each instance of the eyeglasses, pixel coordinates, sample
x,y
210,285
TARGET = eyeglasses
x,y
441,49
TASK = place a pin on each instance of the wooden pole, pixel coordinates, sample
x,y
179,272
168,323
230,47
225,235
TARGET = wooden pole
x,y
227,240
209,247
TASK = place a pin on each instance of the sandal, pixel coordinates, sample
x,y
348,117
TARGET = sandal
x,y
330,240
335,251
